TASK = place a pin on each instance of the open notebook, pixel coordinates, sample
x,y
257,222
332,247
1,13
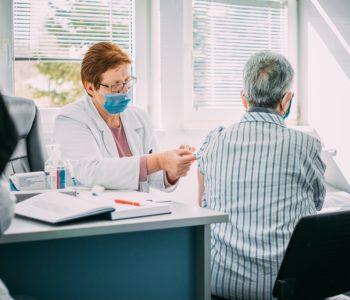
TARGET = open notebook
x,y
53,207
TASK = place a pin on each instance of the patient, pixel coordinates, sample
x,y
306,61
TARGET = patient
x,y
265,176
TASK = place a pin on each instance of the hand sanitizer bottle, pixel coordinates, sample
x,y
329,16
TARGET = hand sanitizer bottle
x,y
55,168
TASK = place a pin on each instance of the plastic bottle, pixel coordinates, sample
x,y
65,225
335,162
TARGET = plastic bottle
x,y
55,168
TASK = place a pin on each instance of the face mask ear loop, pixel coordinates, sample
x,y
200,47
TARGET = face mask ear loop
x,y
285,114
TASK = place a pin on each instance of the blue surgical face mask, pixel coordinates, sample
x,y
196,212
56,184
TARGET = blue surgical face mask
x,y
116,103
288,110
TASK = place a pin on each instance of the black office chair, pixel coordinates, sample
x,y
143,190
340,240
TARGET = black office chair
x,y
316,264
30,153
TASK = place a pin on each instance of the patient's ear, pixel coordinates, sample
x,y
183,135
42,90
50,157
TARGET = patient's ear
x,y
284,104
244,100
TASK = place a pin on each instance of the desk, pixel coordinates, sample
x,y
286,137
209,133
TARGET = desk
x,y
159,257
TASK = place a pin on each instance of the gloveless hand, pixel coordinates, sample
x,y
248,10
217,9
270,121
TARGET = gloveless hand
x,y
176,163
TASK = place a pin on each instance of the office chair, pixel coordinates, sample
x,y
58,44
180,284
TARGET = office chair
x,y
316,264
29,154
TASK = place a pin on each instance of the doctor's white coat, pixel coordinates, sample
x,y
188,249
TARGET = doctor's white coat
x,y
88,144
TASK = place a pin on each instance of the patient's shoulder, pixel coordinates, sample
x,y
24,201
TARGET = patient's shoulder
x,y
212,135
305,140
217,131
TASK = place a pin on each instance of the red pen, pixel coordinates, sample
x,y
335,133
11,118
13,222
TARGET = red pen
x,y
128,202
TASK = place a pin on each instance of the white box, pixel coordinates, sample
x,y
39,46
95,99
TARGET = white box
x,y
29,181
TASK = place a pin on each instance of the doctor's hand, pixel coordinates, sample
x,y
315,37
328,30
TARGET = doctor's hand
x,y
176,163
188,147
174,177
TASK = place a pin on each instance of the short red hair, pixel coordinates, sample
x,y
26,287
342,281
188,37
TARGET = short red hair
x,y
98,59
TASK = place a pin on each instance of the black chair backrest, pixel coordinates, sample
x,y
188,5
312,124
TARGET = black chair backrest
x,y
30,153
316,264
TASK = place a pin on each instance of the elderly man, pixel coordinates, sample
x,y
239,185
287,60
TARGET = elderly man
x,y
265,176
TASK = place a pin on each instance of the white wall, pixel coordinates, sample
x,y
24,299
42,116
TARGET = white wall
x,y
172,54
172,63
324,66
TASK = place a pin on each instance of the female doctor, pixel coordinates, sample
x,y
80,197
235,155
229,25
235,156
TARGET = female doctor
x,y
109,142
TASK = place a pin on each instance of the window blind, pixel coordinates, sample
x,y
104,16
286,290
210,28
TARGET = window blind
x,y
64,29
225,34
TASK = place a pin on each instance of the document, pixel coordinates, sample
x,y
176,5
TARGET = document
x,y
54,207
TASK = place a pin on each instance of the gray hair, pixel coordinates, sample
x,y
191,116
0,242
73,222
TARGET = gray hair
x,y
267,77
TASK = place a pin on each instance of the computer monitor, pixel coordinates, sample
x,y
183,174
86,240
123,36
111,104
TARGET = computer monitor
x,y
333,175
316,264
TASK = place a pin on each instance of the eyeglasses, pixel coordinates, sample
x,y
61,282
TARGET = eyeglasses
x,y
116,88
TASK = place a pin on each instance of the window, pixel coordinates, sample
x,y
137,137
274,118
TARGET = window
x,y
225,34
51,37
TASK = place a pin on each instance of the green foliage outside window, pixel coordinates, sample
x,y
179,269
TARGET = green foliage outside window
x,y
48,58
73,32
63,82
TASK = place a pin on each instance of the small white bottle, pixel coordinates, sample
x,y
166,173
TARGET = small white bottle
x,y
55,168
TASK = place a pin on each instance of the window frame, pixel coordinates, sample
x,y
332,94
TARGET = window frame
x,y
208,118
48,115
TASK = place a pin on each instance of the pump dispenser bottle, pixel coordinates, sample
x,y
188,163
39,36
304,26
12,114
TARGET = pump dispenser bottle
x,y
55,168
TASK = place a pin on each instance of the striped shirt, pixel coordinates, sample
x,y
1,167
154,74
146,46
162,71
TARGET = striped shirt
x,y
266,177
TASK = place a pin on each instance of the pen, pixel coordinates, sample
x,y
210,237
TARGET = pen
x,y
128,202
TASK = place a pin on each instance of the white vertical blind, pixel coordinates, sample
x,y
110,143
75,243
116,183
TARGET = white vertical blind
x,y
64,29
225,34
